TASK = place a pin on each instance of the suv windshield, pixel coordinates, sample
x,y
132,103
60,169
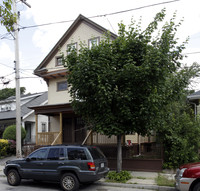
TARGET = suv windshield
x,y
96,153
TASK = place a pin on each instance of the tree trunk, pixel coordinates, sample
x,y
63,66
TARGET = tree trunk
x,y
119,153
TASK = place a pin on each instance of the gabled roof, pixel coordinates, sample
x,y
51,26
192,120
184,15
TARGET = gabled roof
x,y
80,19
37,100
194,96
22,97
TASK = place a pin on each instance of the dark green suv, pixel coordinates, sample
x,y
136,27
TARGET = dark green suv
x,y
69,165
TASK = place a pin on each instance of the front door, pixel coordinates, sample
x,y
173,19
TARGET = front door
x,y
68,134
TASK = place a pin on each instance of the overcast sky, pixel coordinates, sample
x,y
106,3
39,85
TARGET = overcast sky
x,y
35,43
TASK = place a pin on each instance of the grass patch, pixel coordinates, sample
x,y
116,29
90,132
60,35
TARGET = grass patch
x,y
140,177
164,181
121,177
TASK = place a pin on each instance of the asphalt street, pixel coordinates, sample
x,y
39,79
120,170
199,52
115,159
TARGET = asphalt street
x,y
46,186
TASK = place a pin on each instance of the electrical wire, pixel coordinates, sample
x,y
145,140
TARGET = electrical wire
x,y
192,53
107,14
6,65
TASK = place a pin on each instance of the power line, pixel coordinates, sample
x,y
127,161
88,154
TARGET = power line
x,y
107,14
6,65
192,53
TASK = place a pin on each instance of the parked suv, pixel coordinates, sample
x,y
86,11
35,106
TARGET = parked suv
x,y
188,177
69,165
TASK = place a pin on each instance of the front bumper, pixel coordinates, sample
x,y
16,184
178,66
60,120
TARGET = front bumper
x,y
183,184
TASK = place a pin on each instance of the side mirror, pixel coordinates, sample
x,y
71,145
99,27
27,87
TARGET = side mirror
x,y
28,159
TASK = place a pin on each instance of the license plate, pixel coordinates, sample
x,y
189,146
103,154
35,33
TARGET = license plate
x,y
102,165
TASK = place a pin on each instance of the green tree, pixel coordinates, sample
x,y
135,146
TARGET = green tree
x,y
7,92
7,18
121,86
179,134
10,133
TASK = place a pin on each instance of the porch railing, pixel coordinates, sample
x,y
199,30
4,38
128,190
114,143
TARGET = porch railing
x,y
47,138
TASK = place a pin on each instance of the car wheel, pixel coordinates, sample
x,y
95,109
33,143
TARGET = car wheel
x,y
69,182
13,177
197,187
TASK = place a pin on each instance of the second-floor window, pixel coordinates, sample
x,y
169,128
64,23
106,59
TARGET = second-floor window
x,y
59,61
71,47
93,42
62,86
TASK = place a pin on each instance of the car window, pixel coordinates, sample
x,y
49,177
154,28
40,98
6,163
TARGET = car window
x,y
39,155
56,154
96,153
76,154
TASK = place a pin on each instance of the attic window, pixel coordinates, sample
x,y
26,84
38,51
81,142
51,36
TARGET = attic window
x,y
62,86
71,47
59,61
93,42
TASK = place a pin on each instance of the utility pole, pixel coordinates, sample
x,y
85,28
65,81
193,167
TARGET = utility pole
x,y
17,82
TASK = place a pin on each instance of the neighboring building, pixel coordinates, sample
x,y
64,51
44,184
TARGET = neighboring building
x,y
65,126
8,114
194,99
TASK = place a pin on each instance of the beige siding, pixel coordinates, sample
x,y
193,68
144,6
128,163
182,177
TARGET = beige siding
x,y
133,138
55,124
54,96
82,34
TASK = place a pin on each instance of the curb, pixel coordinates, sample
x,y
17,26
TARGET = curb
x,y
139,186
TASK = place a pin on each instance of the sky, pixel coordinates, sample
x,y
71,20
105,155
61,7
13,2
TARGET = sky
x,y
36,41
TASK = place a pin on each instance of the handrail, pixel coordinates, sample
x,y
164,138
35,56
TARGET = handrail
x,y
86,137
59,134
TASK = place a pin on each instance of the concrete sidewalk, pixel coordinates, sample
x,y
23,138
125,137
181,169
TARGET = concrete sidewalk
x,y
140,179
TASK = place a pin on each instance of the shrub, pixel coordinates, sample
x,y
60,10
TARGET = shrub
x,y
12,147
4,145
10,133
122,176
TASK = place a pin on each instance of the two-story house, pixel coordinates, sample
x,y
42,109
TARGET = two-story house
x,y
8,114
65,126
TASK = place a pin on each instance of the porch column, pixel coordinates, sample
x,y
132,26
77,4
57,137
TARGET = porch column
x,y
61,128
36,129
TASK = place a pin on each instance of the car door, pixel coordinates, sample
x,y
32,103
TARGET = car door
x,y
33,166
54,162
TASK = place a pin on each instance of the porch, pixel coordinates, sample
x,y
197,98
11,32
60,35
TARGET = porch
x,y
67,128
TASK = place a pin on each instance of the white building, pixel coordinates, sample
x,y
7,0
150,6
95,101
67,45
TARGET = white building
x,y
8,114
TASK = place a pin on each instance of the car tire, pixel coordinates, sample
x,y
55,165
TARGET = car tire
x,y
197,187
69,182
13,177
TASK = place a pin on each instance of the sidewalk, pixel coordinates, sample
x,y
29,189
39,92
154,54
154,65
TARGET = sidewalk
x,y
145,180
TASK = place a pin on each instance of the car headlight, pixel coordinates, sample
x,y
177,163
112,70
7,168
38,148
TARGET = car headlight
x,y
181,172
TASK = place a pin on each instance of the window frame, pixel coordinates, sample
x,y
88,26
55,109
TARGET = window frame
x,y
70,45
57,58
44,125
59,83
90,45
